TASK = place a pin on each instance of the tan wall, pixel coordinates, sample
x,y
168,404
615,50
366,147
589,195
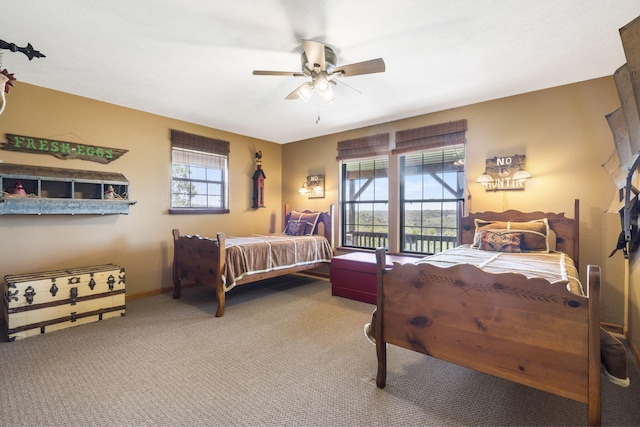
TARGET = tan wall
x,y
140,241
633,332
563,133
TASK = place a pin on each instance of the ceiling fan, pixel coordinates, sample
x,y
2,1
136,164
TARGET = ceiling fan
x,y
319,62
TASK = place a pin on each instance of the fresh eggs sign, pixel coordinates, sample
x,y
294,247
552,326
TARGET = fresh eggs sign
x,y
61,149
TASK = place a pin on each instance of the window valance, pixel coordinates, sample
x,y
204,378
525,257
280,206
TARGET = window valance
x,y
434,136
368,146
189,141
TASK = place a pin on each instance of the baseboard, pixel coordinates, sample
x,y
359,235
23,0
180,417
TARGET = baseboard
x,y
145,294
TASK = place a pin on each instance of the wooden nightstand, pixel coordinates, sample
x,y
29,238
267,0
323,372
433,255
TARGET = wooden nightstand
x,y
353,275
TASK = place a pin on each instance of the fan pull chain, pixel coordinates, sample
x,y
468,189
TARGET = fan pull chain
x,y
317,110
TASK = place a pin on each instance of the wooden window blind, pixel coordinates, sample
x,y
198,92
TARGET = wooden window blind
x,y
434,136
368,146
189,141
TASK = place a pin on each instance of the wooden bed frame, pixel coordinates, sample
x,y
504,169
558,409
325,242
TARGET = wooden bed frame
x,y
528,331
202,260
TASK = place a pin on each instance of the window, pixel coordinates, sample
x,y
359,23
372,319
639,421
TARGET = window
x,y
199,179
365,203
432,188
428,189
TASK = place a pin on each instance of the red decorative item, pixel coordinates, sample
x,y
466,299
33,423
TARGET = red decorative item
x,y
8,82
19,190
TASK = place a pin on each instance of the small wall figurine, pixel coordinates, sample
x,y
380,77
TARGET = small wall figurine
x,y
18,190
110,193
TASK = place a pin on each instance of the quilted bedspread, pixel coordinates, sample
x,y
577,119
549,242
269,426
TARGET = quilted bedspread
x,y
552,266
262,253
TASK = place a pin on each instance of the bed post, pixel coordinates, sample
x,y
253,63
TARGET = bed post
x,y
594,392
381,345
328,228
176,280
576,233
220,292
287,212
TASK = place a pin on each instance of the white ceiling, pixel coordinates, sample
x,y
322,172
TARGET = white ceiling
x,y
192,59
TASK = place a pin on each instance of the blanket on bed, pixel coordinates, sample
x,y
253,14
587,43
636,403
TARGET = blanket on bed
x,y
553,266
262,253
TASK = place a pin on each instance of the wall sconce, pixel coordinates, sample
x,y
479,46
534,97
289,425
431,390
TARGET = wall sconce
x,y
504,173
313,187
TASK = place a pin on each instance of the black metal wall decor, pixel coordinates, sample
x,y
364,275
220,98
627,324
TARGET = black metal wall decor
x,y
28,50
6,78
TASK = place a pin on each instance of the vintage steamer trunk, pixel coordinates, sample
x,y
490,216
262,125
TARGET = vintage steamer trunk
x,y
37,303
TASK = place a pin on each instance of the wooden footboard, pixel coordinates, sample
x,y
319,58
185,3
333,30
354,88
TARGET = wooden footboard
x,y
199,260
525,330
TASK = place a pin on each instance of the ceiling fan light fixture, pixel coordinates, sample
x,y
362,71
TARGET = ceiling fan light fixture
x,y
305,91
328,96
318,61
325,89
322,85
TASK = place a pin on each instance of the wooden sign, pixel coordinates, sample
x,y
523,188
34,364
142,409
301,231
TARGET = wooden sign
x,y
61,149
502,170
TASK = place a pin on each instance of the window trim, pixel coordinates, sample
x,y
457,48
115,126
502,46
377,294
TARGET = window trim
x,y
436,136
197,211
186,141
458,199
344,203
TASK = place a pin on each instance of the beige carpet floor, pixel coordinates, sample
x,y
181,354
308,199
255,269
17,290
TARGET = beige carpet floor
x,y
286,353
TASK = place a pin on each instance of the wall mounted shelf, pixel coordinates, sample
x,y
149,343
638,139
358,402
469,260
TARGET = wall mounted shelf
x,y
61,191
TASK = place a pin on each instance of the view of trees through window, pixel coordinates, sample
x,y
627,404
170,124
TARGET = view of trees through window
x,y
431,201
200,184
431,194
195,186
365,203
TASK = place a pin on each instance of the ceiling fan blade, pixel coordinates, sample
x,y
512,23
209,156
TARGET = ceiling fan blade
x,y
315,53
344,84
366,67
277,73
295,94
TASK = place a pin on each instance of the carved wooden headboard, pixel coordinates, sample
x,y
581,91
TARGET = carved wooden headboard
x,y
566,229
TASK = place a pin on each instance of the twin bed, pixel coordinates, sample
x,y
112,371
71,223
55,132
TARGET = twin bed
x,y
505,303
224,263
508,302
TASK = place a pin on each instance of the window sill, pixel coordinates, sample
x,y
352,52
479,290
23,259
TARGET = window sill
x,y
197,211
